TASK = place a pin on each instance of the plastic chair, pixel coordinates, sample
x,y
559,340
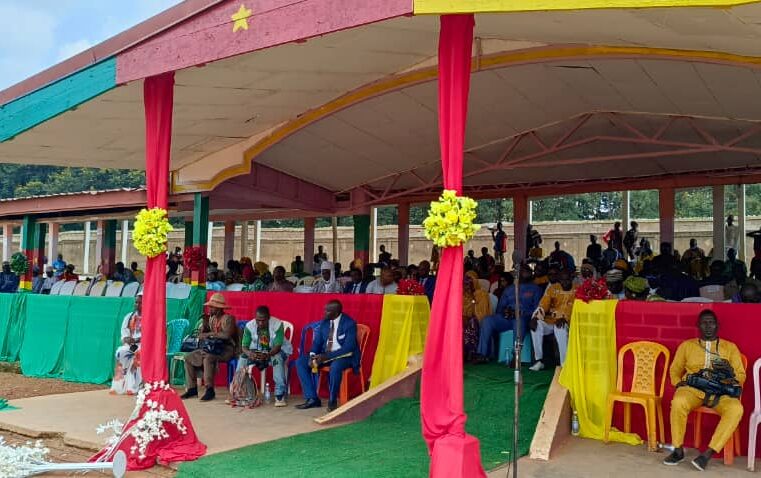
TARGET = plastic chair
x,y
98,288
363,334
311,327
180,291
234,287
81,289
130,290
732,447
114,289
308,280
288,334
68,288
713,292
175,332
642,389
293,280
56,289
755,417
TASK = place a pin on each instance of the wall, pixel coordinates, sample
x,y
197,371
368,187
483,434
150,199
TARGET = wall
x,y
280,246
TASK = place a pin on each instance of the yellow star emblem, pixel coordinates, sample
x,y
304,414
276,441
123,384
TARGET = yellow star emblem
x,y
240,18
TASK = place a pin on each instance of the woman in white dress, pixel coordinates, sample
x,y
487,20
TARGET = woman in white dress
x,y
127,377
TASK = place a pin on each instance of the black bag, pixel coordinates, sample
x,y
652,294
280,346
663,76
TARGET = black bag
x,y
213,346
189,344
715,382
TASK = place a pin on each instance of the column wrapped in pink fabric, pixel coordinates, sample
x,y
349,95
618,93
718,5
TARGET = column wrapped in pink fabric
x,y
453,452
181,444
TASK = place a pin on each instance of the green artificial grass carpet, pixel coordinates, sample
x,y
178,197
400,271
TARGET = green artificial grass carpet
x,y
389,443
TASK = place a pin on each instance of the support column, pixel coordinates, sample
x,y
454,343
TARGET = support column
x,y
125,243
86,260
666,210
39,251
362,238
530,211
29,244
7,241
521,213
258,252
308,244
718,223
373,233
741,222
229,248
334,229
188,234
403,233
201,240
210,239
107,251
244,239
53,230
626,216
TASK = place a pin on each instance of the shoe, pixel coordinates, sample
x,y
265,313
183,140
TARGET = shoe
x,y
539,365
191,392
700,462
332,406
208,395
676,457
280,402
310,403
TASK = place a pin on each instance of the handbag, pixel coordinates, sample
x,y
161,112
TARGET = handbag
x,y
189,344
213,346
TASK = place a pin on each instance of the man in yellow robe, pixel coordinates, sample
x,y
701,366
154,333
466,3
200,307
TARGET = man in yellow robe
x,y
552,317
692,356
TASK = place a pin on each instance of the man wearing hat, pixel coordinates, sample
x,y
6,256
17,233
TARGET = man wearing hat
x,y
636,288
614,279
214,328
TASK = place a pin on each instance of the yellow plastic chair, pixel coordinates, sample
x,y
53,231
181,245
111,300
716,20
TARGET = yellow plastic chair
x,y
642,389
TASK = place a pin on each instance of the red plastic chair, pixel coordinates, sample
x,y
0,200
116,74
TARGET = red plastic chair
x,y
363,334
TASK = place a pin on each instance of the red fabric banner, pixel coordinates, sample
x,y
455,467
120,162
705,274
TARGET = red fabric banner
x,y
303,309
453,452
671,324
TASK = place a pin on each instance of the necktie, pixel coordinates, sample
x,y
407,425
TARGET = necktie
x,y
329,347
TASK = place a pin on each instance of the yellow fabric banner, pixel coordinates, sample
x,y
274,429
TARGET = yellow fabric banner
x,y
496,6
590,371
404,324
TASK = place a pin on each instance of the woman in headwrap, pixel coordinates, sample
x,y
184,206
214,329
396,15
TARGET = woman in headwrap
x,y
588,271
247,271
636,288
475,306
328,283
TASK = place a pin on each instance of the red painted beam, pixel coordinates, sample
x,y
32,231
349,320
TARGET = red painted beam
x,y
209,36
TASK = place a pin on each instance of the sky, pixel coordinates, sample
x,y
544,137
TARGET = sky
x,y
37,35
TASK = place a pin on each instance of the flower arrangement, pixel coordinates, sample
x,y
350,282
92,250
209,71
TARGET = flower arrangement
x,y
19,264
151,426
450,220
151,229
192,257
592,289
410,287
21,460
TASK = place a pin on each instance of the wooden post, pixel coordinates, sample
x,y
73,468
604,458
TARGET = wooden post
x,y
666,208
334,228
244,239
86,260
520,224
741,222
107,250
626,216
125,243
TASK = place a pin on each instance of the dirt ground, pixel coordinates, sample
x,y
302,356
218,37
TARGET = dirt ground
x,y
14,386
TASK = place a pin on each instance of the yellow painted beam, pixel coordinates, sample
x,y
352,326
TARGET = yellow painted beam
x,y
441,7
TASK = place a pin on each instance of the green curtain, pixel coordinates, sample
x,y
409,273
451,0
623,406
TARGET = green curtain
x,y
44,335
12,315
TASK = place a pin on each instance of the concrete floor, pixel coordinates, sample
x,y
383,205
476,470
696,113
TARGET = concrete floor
x,y
220,427
578,457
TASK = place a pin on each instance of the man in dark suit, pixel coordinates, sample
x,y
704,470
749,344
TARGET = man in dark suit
x,y
357,285
426,279
335,345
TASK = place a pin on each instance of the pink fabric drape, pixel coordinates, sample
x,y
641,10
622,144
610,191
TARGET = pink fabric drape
x,y
453,452
158,95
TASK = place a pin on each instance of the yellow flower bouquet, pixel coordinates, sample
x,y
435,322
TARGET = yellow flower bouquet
x,y
151,229
450,220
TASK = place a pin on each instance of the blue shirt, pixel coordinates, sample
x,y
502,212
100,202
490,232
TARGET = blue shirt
x,y
530,295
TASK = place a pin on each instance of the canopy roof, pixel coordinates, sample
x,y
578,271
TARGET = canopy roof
x,y
337,108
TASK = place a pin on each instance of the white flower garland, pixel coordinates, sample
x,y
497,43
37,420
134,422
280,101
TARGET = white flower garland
x,y
116,426
16,461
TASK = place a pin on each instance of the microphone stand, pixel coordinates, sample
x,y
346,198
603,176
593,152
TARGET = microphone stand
x,y
517,346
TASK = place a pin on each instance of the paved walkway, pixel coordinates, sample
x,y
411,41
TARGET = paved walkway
x,y
579,457
220,427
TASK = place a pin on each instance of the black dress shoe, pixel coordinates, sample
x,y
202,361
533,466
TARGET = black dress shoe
x,y
332,406
310,403
700,462
192,392
208,395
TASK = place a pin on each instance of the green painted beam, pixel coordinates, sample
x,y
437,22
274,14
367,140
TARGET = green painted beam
x,y
25,113
200,220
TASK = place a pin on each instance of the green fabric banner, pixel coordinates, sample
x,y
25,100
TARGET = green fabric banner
x,y
12,315
44,335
